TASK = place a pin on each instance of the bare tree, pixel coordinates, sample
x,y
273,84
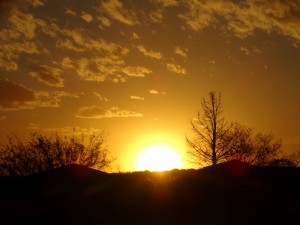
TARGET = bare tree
x,y
211,142
42,153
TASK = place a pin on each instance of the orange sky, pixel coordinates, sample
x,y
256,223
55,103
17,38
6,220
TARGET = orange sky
x,y
137,69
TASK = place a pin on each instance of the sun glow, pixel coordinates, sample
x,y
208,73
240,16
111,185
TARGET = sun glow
x,y
158,158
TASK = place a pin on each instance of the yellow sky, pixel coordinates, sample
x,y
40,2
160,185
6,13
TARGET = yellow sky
x,y
137,69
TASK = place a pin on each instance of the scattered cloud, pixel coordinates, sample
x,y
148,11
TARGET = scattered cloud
x,y
116,10
25,23
118,79
181,51
97,112
104,21
176,68
252,51
48,75
100,97
156,92
138,71
136,97
86,17
242,20
157,16
36,3
135,36
67,63
149,53
166,3
98,69
70,12
15,96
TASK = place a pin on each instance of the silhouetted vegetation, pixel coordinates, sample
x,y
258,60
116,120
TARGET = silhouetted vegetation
x,y
43,153
228,193
254,148
211,143
216,140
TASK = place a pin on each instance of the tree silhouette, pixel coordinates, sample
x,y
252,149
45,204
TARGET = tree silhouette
x,y
42,153
216,140
258,149
211,142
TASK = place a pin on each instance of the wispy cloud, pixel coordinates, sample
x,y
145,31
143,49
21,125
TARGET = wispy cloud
x,y
243,19
97,112
176,68
138,71
15,96
86,17
36,3
252,51
181,51
116,10
156,92
100,97
105,22
149,53
48,75
166,3
98,69
135,36
156,16
70,12
134,97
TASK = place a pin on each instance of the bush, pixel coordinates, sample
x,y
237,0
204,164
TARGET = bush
x,y
43,153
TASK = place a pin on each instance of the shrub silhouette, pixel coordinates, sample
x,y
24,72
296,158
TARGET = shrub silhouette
x,y
42,153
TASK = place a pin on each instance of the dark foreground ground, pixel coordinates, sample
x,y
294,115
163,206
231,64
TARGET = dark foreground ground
x,y
229,193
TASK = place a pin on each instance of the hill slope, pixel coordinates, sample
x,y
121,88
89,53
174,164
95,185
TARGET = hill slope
x,y
229,193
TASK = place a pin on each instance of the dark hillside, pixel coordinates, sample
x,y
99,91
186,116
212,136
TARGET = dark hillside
x,y
228,193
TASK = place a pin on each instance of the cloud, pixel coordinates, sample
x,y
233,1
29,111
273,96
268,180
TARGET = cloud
x,y
250,51
118,79
155,92
48,75
98,69
116,11
104,21
67,63
138,71
100,97
70,12
86,17
78,41
15,96
166,3
181,51
176,68
157,16
149,53
136,97
25,23
36,3
135,36
244,19
97,112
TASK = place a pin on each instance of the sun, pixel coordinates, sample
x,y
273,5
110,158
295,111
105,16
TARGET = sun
x,y
158,158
